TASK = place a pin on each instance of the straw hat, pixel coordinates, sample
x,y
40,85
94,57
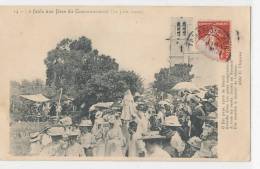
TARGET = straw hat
x,y
153,137
74,133
98,114
172,121
165,131
56,131
66,121
85,123
34,137
195,142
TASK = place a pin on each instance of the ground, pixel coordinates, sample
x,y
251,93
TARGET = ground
x,y
19,136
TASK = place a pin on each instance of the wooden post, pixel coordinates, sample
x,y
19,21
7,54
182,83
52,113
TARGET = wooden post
x,y
59,103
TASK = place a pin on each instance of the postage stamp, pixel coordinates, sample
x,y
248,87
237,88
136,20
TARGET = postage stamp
x,y
214,39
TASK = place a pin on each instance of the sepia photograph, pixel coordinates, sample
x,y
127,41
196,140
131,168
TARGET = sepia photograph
x,y
127,83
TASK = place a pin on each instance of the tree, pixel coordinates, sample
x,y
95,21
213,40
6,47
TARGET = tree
x,y
169,77
86,75
73,62
109,86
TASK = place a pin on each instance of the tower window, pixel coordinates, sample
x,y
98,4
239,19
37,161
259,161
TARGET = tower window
x,y
178,29
184,28
181,49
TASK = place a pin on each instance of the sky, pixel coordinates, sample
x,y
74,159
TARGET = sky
x,y
134,36
136,41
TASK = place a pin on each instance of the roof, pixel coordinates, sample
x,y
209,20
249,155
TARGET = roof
x,y
101,105
36,98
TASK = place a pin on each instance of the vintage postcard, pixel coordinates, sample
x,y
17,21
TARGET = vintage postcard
x,y
125,83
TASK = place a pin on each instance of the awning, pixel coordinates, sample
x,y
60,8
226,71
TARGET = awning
x,y
36,98
101,105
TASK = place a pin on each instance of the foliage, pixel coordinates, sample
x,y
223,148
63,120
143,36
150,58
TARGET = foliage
x,y
86,75
27,87
72,63
169,77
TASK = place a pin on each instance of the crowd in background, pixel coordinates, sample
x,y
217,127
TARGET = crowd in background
x,y
183,124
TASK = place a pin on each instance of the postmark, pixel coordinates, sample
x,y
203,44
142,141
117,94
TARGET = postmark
x,y
214,39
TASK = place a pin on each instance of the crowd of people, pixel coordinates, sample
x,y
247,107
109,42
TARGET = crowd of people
x,y
181,126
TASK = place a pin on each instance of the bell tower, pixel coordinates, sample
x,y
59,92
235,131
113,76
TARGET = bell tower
x,y
181,40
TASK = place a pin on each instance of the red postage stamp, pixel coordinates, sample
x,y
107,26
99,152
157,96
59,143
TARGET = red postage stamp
x,y
214,39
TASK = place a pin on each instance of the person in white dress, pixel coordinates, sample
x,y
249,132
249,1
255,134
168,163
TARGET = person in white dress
x,y
133,142
74,149
86,137
35,146
114,140
99,139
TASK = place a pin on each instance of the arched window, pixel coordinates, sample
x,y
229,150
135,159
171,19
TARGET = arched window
x,y
184,29
178,29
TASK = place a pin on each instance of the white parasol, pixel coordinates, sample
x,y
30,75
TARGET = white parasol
x,y
185,86
128,106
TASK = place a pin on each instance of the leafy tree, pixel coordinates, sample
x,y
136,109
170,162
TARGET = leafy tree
x,y
86,75
109,86
73,62
169,77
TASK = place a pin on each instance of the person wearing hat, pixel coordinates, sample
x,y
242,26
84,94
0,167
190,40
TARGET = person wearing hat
x,y
196,123
142,120
211,94
99,140
136,146
155,123
193,147
201,149
209,105
66,122
153,149
86,137
114,140
205,151
209,136
161,114
132,150
98,115
74,149
98,119
118,122
209,126
209,131
35,146
57,146
176,143
128,110
142,128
